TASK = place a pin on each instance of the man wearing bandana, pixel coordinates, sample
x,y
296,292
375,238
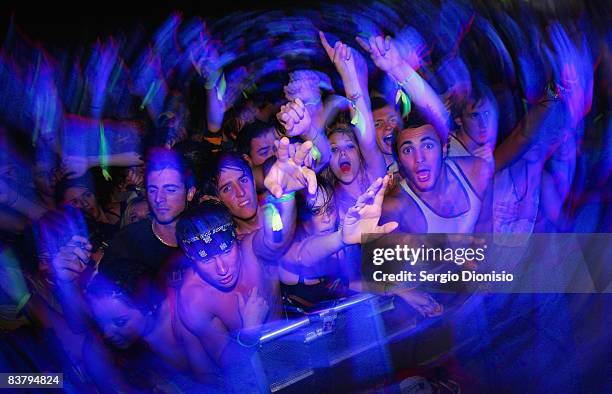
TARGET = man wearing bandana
x,y
228,293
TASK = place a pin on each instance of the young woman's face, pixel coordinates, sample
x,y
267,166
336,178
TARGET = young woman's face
x,y
121,324
139,211
345,162
82,198
323,216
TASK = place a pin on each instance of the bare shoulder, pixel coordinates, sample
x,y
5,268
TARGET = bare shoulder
x,y
477,171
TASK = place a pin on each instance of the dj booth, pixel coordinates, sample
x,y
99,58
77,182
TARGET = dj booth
x,y
356,344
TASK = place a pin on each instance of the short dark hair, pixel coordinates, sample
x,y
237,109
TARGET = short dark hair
x,y
415,120
128,281
379,102
250,132
223,160
479,93
159,159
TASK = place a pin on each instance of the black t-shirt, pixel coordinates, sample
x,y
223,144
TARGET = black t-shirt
x,y
137,243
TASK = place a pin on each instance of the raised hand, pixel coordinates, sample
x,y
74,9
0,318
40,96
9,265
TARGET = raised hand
x,y
102,62
72,259
363,217
75,166
573,71
383,52
342,56
254,310
204,57
290,173
485,152
295,118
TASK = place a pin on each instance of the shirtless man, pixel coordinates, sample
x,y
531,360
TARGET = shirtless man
x,y
227,293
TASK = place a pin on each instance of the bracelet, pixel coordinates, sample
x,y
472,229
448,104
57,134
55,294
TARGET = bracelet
x,y
284,198
407,80
243,344
353,99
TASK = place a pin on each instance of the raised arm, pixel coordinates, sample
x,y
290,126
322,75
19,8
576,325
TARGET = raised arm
x,y
288,174
354,78
360,219
386,56
205,59
296,119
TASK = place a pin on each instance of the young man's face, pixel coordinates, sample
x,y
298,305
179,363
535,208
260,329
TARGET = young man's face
x,y
167,195
479,121
421,156
121,324
344,163
385,120
262,148
237,191
222,270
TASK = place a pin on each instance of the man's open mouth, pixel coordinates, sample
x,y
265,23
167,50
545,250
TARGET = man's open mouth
x,y
423,175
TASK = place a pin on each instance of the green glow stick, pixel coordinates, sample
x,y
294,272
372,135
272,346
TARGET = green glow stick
x,y
104,153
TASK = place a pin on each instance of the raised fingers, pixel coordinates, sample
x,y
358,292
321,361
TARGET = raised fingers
x,y
380,193
380,44
328,49
311,180
302,152
363,44
282,151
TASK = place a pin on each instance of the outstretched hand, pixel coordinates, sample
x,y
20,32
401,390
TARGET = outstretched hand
x,y
290,173
363,217
295,118
383,52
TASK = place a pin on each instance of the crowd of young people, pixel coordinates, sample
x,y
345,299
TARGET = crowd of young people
x,y
159,208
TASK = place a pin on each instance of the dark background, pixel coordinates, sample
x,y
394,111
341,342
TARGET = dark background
x,y
61,24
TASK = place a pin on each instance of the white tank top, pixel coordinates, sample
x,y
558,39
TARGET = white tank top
x,y
463,223
456,147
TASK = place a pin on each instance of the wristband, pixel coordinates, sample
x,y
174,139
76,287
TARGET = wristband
x,y
407,80
243,344
284,198
406,105
274,216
